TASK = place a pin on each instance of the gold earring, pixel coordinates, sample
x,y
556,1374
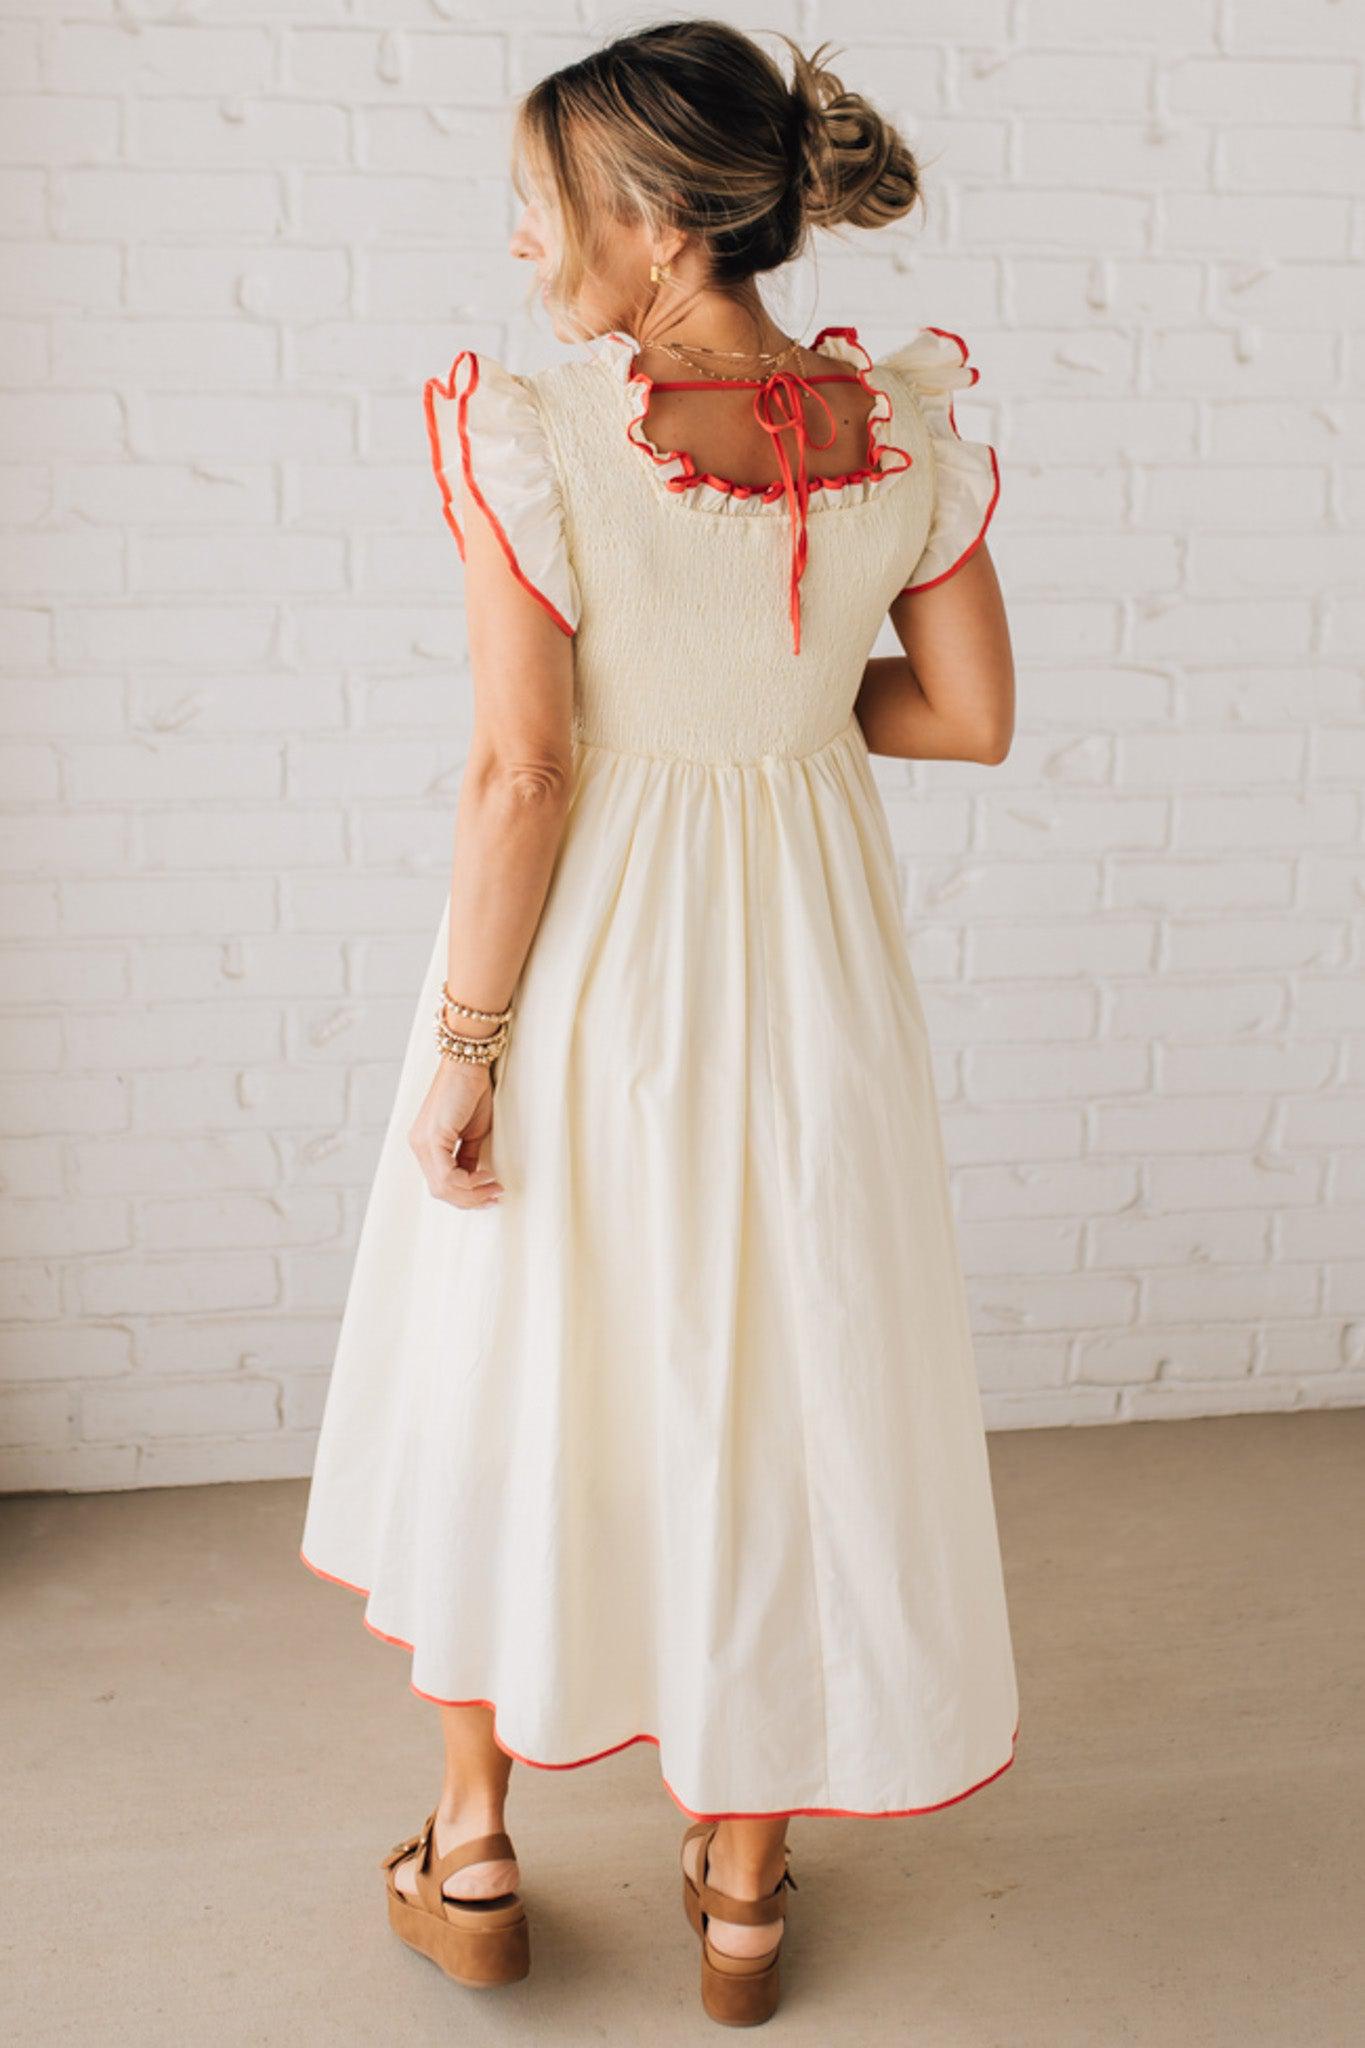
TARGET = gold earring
x,y
658,272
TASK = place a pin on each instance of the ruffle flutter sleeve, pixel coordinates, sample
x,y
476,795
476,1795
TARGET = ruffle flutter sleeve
x,y
484,426
968,475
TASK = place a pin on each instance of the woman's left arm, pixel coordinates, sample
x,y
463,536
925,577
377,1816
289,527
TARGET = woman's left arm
x,y
518,777
510,817
950,696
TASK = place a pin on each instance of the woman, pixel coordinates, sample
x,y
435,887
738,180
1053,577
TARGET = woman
x,y
659,1422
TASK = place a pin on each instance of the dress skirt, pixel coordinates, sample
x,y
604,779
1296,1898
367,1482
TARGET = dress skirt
x,y
681,1441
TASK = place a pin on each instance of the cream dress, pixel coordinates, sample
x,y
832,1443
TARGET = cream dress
x,y
681,1441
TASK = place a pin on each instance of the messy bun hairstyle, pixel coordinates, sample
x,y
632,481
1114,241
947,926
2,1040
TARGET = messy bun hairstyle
x,y
690,125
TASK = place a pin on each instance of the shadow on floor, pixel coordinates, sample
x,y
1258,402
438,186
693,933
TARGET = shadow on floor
x,y
206,1754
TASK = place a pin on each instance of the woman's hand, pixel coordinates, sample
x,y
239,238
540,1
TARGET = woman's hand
x,y
449,1134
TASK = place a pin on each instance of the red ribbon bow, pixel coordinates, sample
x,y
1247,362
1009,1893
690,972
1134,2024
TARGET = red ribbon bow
x,y
778,407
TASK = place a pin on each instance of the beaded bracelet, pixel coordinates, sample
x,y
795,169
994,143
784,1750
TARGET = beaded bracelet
x,y
477,1051
456,1045
464,1010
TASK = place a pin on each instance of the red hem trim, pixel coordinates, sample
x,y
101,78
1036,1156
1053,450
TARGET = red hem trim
x,y
430,391
913,589
576,1763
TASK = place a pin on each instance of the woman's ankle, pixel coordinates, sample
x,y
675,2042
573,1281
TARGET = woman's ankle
x,y
744,1872
471,1814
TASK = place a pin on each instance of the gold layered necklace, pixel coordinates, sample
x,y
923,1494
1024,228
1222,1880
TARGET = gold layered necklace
x,y
686,353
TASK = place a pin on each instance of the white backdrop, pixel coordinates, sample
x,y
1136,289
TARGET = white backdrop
x,y
237,238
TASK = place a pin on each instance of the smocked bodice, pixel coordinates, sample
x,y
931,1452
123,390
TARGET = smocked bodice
x,y
685,644
682,590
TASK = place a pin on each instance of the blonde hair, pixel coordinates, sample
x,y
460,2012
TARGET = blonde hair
x,y
690,125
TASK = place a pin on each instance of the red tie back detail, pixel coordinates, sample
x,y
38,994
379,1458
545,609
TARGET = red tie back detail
x,y
778,406
779,409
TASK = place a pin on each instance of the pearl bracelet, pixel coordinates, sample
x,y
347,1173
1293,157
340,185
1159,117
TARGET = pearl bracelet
x,y
477,1051
479,1016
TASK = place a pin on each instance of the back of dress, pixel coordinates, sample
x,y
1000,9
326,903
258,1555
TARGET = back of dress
x,y
680,1440
715,621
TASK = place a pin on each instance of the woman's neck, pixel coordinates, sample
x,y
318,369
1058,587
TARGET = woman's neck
x,y
710,323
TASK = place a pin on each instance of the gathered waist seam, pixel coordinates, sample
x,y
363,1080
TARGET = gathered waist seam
x,y
717,760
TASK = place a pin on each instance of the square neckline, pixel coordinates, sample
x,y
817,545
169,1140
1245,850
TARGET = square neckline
x,y
793,494
700,488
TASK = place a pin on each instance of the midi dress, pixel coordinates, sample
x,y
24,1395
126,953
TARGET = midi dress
x,y
680,1442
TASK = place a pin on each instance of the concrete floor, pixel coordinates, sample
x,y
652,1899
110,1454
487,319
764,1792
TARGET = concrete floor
x,y
206,1754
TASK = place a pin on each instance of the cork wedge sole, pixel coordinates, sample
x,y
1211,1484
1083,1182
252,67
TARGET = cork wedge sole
x,y
738,1991
478,1942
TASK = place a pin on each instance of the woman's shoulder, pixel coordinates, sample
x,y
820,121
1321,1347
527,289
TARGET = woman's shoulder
x,y
921,374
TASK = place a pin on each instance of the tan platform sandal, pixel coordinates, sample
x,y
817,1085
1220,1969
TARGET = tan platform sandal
x,y
476,1941
739,1991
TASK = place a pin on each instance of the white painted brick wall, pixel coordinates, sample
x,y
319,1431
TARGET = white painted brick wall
x,y
235,239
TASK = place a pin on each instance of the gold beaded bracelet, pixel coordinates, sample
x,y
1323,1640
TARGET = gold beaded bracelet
x,y
475,1048
477,1051
457,1045
464,1010
464,1050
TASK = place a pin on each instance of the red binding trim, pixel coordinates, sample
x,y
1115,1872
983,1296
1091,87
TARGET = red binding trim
x,y
431,389
913,589
575,1763
850,334
784,387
